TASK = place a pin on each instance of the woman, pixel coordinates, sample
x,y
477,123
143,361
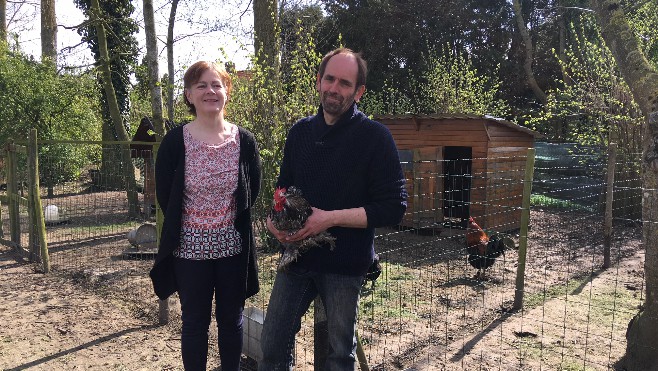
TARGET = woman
x,y
207,178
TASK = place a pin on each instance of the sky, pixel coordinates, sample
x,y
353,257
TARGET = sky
x,y
207,46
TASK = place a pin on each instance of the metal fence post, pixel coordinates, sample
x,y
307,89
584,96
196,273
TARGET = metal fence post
x,y
523,234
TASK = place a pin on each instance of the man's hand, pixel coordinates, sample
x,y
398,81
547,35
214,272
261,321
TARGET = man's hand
x,y
279,235
318,222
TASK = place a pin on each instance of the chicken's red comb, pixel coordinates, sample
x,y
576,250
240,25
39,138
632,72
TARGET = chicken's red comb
x,y
279,198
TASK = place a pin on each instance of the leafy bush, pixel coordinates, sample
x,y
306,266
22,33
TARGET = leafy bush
x,y
34,96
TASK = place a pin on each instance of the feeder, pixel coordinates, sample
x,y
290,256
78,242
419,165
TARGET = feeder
x,y
252,327
144,240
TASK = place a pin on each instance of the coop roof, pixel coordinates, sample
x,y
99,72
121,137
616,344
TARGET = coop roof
x,y
459,116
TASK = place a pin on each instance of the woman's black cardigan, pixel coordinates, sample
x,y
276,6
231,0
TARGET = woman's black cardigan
x,y
169,184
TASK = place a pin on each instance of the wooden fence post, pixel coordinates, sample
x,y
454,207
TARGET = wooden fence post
x,y
37,219
163,305
320,335
12,197
523,234
609,193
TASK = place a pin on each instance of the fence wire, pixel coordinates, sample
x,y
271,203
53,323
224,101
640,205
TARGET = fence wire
x,y
427,310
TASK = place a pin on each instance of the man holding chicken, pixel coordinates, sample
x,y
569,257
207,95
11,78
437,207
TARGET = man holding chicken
x,y
348,169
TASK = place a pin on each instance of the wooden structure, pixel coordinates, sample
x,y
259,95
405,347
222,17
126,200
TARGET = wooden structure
x,y
145,133
459,166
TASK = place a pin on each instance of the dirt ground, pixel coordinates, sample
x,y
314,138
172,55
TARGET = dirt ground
x,y
52,322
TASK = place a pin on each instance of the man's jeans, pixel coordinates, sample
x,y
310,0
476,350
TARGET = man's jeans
x,y
291,297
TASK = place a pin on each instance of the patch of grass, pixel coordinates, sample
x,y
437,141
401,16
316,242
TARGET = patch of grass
x,y
104,228
553,292
393,294
556,203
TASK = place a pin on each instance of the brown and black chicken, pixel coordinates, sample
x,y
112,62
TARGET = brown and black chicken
x,y
289,213
482,249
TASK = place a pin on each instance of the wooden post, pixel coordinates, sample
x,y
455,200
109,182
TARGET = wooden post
x,y
609,193
38,223
163,305
12,197
320,335
525,222
361,354
415,198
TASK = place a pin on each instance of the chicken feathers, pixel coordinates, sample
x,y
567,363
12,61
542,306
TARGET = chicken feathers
x,y
289,212
482,249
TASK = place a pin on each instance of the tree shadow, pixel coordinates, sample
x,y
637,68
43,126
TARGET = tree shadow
x,y
81,347
468,347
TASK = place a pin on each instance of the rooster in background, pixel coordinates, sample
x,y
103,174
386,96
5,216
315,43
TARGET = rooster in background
x,y
482,249
290,211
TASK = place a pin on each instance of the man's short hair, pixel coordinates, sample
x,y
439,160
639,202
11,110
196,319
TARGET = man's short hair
x,y
363,65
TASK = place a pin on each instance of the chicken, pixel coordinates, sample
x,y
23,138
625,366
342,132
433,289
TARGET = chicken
x,y
482,249
290,211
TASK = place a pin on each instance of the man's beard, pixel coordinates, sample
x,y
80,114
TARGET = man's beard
x,y
337,106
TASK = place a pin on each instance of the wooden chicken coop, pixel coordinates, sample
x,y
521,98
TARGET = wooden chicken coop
x,y
458,166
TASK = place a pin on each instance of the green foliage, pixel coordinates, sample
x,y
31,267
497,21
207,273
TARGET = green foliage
x,y
122,47
387,101
595,105
269,106
451,84
543,201
394,35
643,18
34,96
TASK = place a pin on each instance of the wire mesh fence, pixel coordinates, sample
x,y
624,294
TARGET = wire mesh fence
x,y
428,310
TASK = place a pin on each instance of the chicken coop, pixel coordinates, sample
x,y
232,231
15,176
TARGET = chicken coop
x,y
458,166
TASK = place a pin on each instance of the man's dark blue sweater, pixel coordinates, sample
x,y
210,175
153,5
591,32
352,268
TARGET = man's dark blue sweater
x,y
352,163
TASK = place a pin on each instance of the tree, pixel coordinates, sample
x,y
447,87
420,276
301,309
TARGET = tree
x,y
48,30
642,78
122,47
63,106
406,29
528,60
265,34
113,106
3,20
170,61
153,71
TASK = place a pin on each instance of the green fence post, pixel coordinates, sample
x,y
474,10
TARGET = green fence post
x,y
525,222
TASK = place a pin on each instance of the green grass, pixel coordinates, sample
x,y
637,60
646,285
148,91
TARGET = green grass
x,y
555,203
393,294
105,228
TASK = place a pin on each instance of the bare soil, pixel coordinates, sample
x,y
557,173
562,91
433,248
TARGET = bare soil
x,y
426,312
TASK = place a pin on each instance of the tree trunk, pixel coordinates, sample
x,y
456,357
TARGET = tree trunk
x,y
106,75
562,42
153,70
527,63
48,30
170,60
3,20
265,33
642,78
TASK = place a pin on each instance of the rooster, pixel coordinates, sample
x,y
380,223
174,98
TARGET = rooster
x,y
482,249
290,211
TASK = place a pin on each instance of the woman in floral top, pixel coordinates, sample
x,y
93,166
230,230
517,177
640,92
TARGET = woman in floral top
x,y
207,178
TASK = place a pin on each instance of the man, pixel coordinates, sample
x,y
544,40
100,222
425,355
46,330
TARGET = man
x,y
348,168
